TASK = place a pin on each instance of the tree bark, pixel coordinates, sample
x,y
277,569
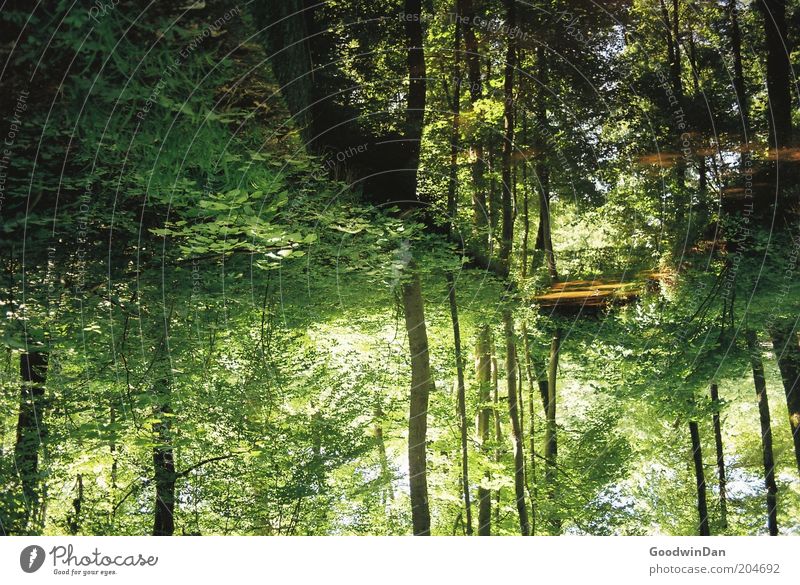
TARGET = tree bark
x,y
526,224
787,352
462,402
455,108
778,72
516,427
498,435
544,240
480,215
31,432
421,379
452,208
532,391
738,77
421,386
507,237
164,464
483,374
723,496
779,120
766,431
672,36
700,477
551,432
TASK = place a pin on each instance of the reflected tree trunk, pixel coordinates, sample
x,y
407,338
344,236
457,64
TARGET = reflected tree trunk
x,y
421,387
163,463
551,431
787,352
544,240
766,431
723,495
462,402
483,374
516,426
700,478
31,432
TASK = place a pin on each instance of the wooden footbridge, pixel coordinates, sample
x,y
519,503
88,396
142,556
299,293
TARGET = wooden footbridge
x,y
597,293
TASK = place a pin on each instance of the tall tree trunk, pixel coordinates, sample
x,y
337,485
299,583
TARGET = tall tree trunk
x,y
483,374
526,224
700,477
507,237
452,208
779,94
31,431
766,431
480,215
778,72
544,240
498,435
723,495
533,384
455,108
421,386
421,379
462,401
164,463
551,432
702,168
738,80
516,425
787,352
672,35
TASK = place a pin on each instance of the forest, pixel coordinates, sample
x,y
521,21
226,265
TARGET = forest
x,y
400,267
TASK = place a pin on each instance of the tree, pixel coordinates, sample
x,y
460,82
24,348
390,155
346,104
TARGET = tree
x,y
787,352
766,431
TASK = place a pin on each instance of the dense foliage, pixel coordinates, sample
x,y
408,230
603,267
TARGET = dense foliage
x,y
395,267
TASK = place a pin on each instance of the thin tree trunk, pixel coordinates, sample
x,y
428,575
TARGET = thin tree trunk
x,y
672,35
738,82
507,236
551,434
702,168
113,450
483,374
498,435
74,520
462,401
452,207
455,108
531,424
766,431
480,216
526,224
700,477
544,240
723,495
421,387
787,352
31,431
516,425
164,464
